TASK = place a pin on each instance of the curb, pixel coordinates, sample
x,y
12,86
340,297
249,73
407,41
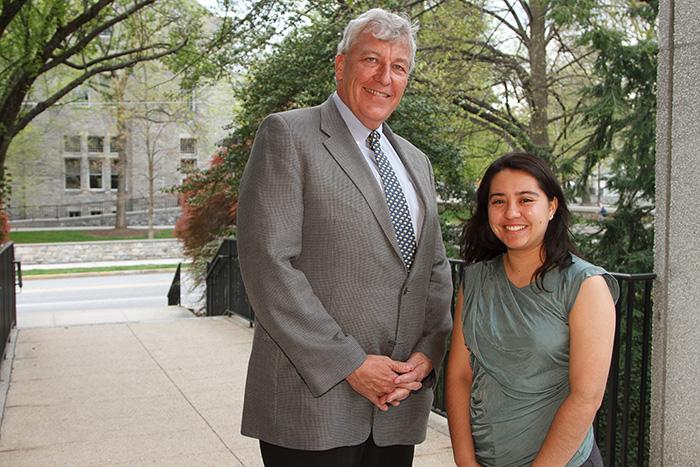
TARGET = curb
x,y
68,275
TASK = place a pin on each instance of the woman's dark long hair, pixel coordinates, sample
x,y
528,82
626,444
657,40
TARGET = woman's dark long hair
x,y
478,242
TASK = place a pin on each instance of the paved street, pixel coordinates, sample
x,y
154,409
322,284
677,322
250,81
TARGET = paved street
x,y
99,299
165,392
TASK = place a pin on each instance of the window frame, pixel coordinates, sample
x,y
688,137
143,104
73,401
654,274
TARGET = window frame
x,y
79,173
102,144
100,174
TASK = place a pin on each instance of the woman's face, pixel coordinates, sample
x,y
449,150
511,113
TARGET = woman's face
x,y
519,211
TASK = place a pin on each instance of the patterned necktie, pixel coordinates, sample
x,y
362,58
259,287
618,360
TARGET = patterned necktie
x,y
395,199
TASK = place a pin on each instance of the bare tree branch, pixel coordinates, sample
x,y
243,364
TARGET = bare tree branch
x,y
78,22
493,117
9,11
522,34
123,53
526,6
24,120
576,61
64,32
515,15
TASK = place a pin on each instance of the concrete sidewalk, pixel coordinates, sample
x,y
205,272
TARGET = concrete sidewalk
x,y
140,393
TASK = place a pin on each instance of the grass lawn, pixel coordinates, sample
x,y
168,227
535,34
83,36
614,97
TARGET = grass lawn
x,y
58,236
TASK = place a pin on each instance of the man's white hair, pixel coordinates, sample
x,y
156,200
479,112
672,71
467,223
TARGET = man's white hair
x,y
383,25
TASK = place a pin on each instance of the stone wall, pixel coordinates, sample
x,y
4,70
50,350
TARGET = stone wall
x,y
675,399
135,218
79,252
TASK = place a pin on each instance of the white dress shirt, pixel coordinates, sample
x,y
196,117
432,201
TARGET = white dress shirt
x,y
360,133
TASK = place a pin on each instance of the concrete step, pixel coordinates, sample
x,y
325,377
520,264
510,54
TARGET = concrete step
x,y
100,316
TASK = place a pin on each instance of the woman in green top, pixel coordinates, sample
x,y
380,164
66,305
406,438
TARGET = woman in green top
x,y
534,328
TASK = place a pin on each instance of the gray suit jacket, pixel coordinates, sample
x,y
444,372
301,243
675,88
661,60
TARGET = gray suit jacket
x,y
324,275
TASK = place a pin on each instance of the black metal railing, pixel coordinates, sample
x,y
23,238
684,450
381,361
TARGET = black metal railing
x,y
88,208
225,290
622,423
8,304
174,291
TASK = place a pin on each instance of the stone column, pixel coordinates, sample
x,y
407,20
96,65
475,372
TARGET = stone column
x,y
675,418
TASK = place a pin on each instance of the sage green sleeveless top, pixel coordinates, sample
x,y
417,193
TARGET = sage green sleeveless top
x,y
519,343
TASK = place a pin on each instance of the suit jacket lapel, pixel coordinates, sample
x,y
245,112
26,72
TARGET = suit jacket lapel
x,y
344,150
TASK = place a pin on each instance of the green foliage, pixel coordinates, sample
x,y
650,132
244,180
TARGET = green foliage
x,y
298,72
622,111
608,116
569,12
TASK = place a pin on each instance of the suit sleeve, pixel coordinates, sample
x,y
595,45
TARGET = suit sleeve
x,y
438,321
269,232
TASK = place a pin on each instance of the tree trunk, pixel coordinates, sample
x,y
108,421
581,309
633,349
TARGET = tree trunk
x,y
151,182
539,119
119,85
120,222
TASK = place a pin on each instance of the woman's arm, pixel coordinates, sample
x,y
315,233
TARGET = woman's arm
x,y
592,332
458,383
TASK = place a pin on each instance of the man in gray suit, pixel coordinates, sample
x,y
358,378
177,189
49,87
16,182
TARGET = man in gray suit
x,y
343,261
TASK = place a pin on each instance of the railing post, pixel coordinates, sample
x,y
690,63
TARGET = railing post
x,y
629,334
174,294
8,304
643,390
225,290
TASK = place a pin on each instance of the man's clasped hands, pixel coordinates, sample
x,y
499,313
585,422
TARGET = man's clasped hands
x,y
385,382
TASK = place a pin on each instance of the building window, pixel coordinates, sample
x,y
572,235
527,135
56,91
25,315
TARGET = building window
x,y
95,174
114,145
114,174
71,143
188,145
96,143
187,165
72,173
94,212
73,213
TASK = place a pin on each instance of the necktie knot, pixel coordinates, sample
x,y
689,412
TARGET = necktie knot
x,y
373,141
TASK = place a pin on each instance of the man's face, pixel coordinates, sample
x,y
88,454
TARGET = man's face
x,y
372,77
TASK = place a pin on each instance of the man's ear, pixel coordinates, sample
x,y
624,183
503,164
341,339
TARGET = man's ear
x,y
339,66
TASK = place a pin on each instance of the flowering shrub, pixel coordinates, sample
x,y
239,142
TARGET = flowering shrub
x,y
208,200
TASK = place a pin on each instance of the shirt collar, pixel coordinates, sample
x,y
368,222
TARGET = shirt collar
x,y
358,131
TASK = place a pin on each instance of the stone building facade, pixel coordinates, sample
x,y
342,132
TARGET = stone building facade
x,y
65,164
